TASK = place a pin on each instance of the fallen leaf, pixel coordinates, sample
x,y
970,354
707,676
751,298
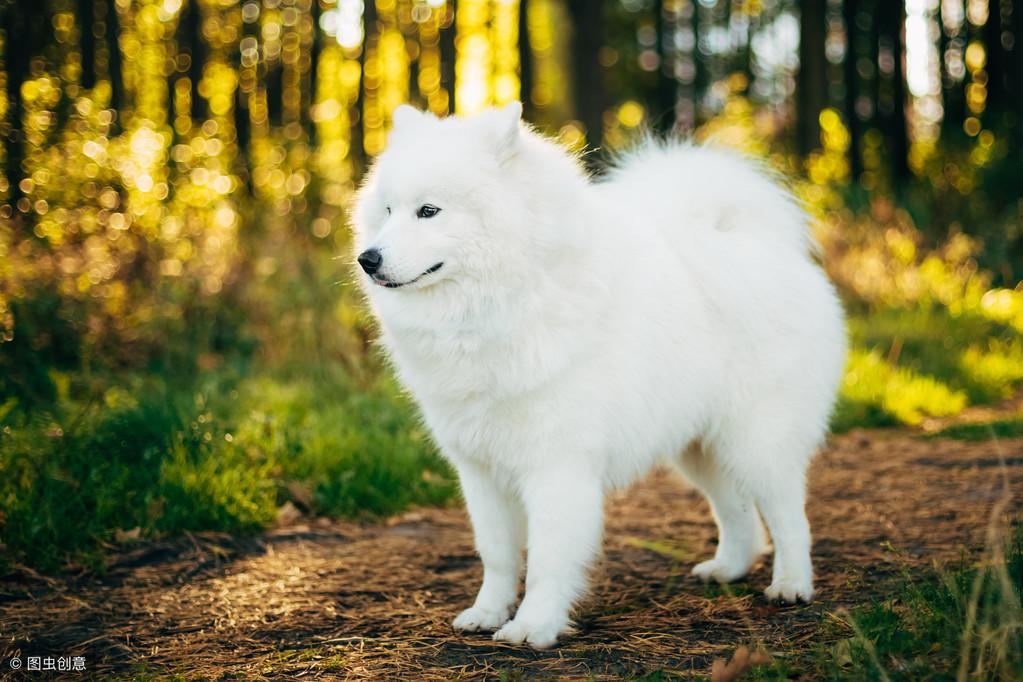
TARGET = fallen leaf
x,y
742,661
288,514
301,494
125,536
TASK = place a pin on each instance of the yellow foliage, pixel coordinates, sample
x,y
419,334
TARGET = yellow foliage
x,y
899,391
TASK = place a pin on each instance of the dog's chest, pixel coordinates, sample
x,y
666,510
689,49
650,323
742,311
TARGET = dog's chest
x,y
475,397
466,369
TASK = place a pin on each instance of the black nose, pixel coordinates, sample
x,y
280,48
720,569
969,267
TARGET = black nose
x,y
370,260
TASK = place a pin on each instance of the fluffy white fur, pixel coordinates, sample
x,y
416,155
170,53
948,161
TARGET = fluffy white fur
x,y
580,331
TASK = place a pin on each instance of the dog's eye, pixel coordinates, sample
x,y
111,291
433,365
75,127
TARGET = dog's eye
x,y
427,211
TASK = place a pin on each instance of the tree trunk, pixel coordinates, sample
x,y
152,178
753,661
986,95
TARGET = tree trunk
x,y
113,23
197,56
243,115
701,78
525,60
27,32
314,61
850,9
900,130
589,86
1017,69
997,85
953,94
812,84
369,24
667,86
447,55
891,18
87,23
275,94
18,31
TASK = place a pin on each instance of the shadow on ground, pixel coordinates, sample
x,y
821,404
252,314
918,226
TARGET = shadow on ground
x,y
349,600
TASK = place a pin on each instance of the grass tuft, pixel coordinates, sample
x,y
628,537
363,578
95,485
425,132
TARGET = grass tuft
x,y
964,623
1003,428
222,454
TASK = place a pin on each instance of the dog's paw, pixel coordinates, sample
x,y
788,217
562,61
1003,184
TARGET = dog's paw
x,y
716,570
790,591
477,619
536,635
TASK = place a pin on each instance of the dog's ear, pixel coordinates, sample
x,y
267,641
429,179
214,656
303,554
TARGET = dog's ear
x,y
406,116
507,133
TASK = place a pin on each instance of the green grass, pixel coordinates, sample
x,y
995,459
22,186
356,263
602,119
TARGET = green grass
x,y
285,661
1003,428
941,623
932,624
907,365
222,453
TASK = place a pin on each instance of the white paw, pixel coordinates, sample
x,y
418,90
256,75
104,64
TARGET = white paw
x,y
476,618
719,571
537,635
790,591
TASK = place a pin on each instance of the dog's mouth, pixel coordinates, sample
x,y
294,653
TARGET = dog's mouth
x,y
391,284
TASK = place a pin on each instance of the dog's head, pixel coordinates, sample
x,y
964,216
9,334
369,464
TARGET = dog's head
x,y
427,207
452,199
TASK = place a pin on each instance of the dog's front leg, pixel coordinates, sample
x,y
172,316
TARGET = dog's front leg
x,y
565,517
499,526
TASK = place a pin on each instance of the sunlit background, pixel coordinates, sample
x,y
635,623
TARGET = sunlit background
x,y
180,346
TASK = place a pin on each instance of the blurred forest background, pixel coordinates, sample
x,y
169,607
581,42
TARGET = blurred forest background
x,y
181,346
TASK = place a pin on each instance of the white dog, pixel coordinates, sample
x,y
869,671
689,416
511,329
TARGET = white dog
x,y
564,334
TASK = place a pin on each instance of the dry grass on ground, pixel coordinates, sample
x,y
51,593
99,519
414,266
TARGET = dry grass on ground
x,y
329,599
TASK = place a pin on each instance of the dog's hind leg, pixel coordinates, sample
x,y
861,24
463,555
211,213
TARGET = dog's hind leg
x,y
783,507
741,536
769,455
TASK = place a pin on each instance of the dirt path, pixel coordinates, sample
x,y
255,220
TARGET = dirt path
x,y
344,600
